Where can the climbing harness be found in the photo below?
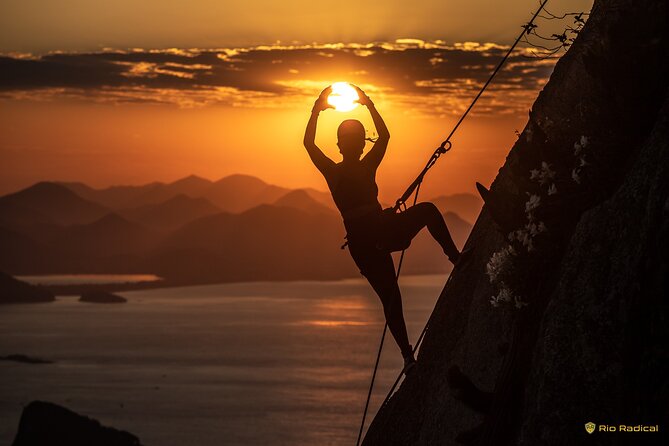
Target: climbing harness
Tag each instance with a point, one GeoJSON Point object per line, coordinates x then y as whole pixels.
{"type": "Point", "coordinates": [414, 188]}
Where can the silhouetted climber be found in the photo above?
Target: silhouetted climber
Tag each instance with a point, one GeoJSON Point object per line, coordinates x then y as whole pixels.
{"type": "Point", "coordinates": [373, 233]}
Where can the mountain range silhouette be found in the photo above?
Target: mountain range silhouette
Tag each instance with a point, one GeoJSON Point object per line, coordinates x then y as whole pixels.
{"type": "Point", "coordinates": [193, 230]}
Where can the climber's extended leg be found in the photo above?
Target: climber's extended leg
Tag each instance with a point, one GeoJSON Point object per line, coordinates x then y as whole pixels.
{"type": "Point", "coordinates": [379, 270]}
{"type": "Point", "coordinates": [385, 285]}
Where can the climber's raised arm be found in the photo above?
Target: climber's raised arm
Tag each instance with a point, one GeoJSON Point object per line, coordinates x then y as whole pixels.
{"type": "Point", "coordinates": [320, 160]}
{"type": "Point", "coordinates": [377, 152]}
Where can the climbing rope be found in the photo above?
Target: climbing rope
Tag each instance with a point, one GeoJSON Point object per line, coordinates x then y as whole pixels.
{"type": "Point", "coordinates": [414, 188]}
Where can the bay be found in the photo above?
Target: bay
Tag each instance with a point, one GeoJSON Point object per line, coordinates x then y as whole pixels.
{"type": "Point", "coordinates": [283, 363]}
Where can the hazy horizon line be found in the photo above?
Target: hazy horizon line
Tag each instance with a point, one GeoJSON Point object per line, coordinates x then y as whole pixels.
{"type": "Point", "coordinates": [6, 192]}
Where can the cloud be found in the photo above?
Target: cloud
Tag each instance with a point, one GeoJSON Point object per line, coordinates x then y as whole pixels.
{"type": "Point", "coordinates": [425, 76]}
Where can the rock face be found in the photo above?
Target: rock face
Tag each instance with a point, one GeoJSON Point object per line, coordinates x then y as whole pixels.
{"type": "Point", "coordinates": [591, 263]}
{"type": "Point", "coordinates": [47, 424]}
{"type": "Point", "coordinates": [102, 297]}
{"type": "Point", "coordinates": [13, 291]}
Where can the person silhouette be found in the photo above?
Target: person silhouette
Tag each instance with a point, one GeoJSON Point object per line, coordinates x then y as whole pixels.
{"type": "Point", "coordinates": [373, 233]}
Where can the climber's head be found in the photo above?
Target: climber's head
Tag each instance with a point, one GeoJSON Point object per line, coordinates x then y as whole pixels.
{"type": "Point", "coordinates": [351, 139]}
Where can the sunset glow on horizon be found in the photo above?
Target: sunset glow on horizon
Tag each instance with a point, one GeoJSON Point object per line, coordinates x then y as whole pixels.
{"type": "Point", "coordinates": [159, 113]}
{"type": "Point", "coordinates": [162, 115]}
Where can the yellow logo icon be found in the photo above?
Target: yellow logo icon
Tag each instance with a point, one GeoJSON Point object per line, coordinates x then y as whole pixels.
{"type": "Point", "coordinates": [590, 427]}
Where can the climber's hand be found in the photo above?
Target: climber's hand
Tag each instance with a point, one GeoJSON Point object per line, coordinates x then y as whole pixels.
{"type": "Point", "coordinates": [322, 101]}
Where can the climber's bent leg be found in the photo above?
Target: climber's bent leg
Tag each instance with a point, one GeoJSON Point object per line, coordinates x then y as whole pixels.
{"type": "Point", "coordinates": [416, 217]}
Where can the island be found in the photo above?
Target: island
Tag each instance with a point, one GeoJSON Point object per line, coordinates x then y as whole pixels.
{"type": "Point", "coordinates": [102, 297]}
{"type": "Point", "coordinates": [46, 423]}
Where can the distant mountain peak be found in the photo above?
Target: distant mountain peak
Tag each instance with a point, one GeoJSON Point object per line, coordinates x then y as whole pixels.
{"type": "Point", "coordinates": [241, 177]}
{"type": "Point", "coordinates": [73, 185]}
{"type": "Point", "coordinates": [55, 202]}
{"type": "Point", "coordinates": [301, 193]}
{"type": "Point", "coordinates": [43, 187]}
{"type": "Point", "coordinates": [465, 205]}
{"type": "Point", "coordinates": [49, 193]}
{"type": "Point", "coordinates": [191, 179]}
{"type": "Point", "coordinates": [301, 199]}
{"type": "Point", "coordinates": [110, 219]}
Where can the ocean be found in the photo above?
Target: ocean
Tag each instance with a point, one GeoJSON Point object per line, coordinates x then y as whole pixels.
{"type": "Point", "coordinates": [265, 363]}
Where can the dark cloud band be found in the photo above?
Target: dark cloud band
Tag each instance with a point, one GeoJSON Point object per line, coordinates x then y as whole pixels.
{"type": "Point", "coordinates": [406, 68]}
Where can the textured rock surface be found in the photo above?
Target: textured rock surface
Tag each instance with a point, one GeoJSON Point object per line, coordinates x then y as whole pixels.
{"type": "Point", "coordinates": [592, 343]}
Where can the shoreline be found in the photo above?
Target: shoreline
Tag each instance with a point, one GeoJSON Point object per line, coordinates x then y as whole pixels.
{"type": "Point", "coordinates": [78, 289]}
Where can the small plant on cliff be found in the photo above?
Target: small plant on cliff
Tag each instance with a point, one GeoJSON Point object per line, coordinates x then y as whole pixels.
{"type": "Point", "coordinates": [546, 47]}
{"type": "Point", "coordinates": [579, 154]}
{"type": "Point", "coordinates": [509, 269]}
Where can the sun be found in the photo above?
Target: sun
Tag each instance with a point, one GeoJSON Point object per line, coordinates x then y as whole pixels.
{"type": "Point", "coordinates": [343, 97]}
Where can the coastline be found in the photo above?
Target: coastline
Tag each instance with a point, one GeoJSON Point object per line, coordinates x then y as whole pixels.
{"type": "Point", "coordinates": [78, 289]}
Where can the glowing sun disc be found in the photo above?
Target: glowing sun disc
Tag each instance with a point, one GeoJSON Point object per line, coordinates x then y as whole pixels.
{"type": "Point", "coordinates": [343, 97]}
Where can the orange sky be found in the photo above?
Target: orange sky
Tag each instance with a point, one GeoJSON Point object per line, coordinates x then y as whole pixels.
{"type": "Point", "coordinates": [134, 144]}
{"type": "Point", "coordinates": [132, 116]}
{"type": "Point", "coordinates": [76, 25]}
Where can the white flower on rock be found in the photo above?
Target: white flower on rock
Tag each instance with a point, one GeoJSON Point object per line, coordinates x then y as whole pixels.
{"type": "Point", "coordinates": [580, 145]}
{"type": "Point", "coordinates": [499, 262]}
{"type": "Point", "coordinates": [503, 296]}
{"type": "Point", "coordinates": [543, 175]}
{"type": "Point", "coordinates": [536, 228]}
{"type": "Point", "coordinates": [518, 302]}
{"type": "Point", "coordinates": [532, 203]}
{"type": "Point", "coordinates": [575, 176]}
{"type": "Point", "coordinates": [526, 235]}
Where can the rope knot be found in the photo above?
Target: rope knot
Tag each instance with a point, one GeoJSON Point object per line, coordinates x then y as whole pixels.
{"type": "Point", "coordinates": [444, 147]}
